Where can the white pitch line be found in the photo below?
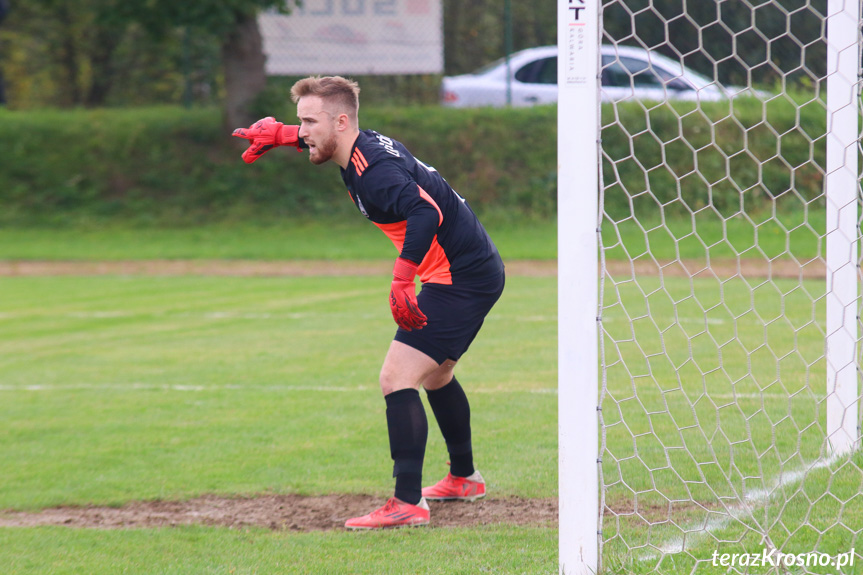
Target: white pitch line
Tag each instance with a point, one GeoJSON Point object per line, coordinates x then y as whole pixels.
{"type": "Point", "coordinates": [680, 320]}
{"type": "Point", "coordinates": [115, 314]}
{"type": "Point", "coordinates": [697, 531]}
{"type": "Point", "coordinates": [232, 387]}
{"type": "Point", "coordinates": [622, 393]}
{"type": "Point", "coordinates": [119, 314]}
{"type": "Point", "coordinates": [337, 389]}
{"type": "Point", "coordinates": [177, 387]}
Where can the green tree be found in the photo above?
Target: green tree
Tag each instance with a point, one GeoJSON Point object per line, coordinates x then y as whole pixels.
{"type": "Point", "coordinates": [61, 50]}
{"type": "Point", "coordinates": [233, 22]}
{"type": "Point", "coordinates": [79, 54]}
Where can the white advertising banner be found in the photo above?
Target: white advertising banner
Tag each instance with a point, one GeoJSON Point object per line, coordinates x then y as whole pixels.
{"type": "Point", "coordinates": [355, 37]}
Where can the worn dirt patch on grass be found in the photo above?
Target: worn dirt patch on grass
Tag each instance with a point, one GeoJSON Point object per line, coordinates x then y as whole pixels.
{"type": "Point", "coordinates": [281, 512]}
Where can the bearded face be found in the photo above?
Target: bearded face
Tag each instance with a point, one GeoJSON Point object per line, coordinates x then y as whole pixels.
{"type": "Point", "coordinates": [318, 128]}
{"type": "Point", "coordinates": [322, 151]}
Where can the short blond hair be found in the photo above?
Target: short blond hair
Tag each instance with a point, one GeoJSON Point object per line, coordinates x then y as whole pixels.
{"type": "Point", "coordinates": [340, 91]}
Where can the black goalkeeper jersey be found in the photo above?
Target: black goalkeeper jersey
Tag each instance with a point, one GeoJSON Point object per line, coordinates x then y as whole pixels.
{"type": "Point", "coordinates": [427, 221]}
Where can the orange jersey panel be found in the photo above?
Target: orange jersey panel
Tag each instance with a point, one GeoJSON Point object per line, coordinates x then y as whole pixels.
{"type": "Point", "coordinates": [435, 267]}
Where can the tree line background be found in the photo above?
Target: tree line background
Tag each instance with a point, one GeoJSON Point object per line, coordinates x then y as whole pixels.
{"type": "Point", "coordinates": [94, 53]}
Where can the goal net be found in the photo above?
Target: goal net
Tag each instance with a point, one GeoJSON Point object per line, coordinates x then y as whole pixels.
{"type": "Point", "coordinates": [729, 287]}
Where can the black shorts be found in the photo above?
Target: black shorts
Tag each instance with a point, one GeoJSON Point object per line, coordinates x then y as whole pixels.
{"type": "Point", "coordinates": [455, 314]}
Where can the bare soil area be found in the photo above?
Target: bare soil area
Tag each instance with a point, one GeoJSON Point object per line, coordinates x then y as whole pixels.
{"type": "Point", "coordinates": [280, 512]}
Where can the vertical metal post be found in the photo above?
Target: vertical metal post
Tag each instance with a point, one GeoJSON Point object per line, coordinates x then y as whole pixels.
{"type": "Point", "coordinates": [187, 68]}
{"type": "Point", "coordinates": [507, 47]}
{"type": "Point", "coordinates": [578, 206]}
{"type": "Point", "coordinates": [841, 185]}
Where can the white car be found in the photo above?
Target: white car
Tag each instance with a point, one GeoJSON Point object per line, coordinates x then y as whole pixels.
{"type": "Point", "coordinates": [627, 73]}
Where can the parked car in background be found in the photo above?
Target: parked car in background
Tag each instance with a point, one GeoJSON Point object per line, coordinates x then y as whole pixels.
{"type": "Point", "coordinates": [627, 73]}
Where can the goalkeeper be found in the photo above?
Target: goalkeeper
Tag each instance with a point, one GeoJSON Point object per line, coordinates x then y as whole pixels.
{"type": "Point", "coordinates": [438, 238]}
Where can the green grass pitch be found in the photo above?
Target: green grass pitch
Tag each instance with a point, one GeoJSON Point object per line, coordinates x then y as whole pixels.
{"type": "Point", "coordinates": [125, 388]}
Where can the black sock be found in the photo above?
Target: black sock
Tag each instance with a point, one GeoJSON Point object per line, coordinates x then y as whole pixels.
{"type": "Point", "coordinates": [408, 431]}
{"type": "Point", "coordinates": [452, 411]}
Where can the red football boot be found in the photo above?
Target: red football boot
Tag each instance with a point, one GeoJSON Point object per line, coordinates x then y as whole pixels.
{"type": "Point", "coordinates": [396, 513]}
{"type": "Point", "coordinates": [452, 488]}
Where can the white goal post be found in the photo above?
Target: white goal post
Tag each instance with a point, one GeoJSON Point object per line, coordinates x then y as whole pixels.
{"type": "Point", "coordinates": [709, 300]}
{"type": "Point", "coordinates": [841, 184]}
{"type": "Point", "coordinates": [578, 219]}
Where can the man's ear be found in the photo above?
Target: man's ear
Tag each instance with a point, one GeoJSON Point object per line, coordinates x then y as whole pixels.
{"type": "Point", "coordinates": [343, 122]}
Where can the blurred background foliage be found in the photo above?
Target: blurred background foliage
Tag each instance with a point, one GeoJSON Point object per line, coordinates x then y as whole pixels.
{"type": "Point", "coordinates": [116, 96]}
{"type": "Point", "coordinates": [95, 53]}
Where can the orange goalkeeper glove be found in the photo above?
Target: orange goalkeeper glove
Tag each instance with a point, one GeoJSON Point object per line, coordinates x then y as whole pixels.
{"type": "Point", "coordinates": [403, 296]}
{"type": "Point", "coordinates": [266, 134]}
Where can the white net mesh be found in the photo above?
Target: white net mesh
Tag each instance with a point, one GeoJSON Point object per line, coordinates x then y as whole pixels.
{"type": "Point", "coordinates": [715, 223]}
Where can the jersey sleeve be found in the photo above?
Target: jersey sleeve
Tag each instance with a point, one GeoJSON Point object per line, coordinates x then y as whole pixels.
{"type": "Point", "coordinates": [422, 226]}
{"type": "Point", "coordinates": [392, 189]}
